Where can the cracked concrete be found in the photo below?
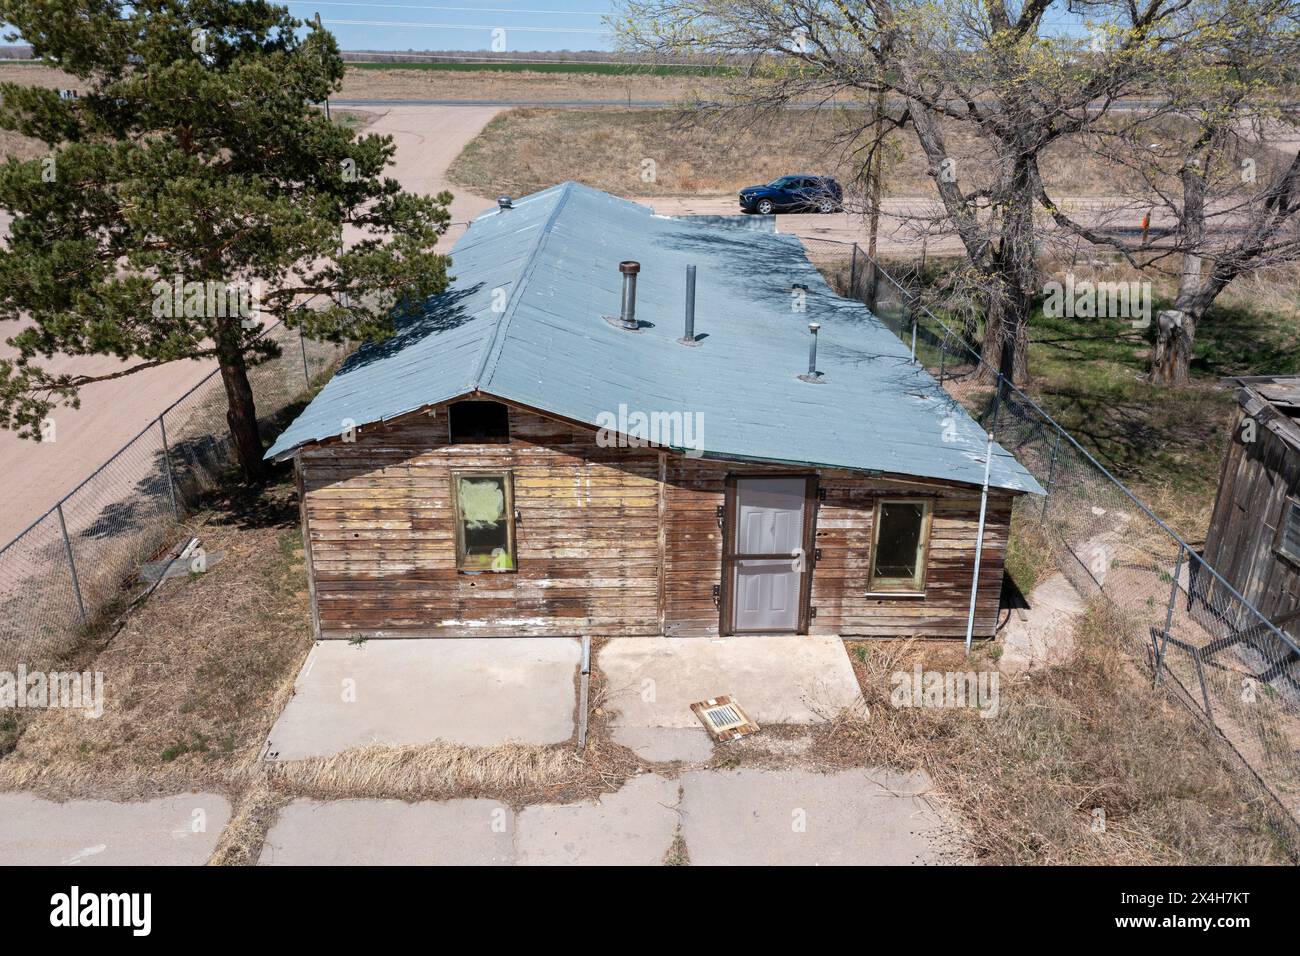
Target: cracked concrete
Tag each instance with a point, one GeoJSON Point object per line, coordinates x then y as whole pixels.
{"type": "Point", "coordinates": [791, 817]}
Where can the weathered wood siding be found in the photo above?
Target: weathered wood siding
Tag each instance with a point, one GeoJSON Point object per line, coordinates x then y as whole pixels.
{"type": "Point", "coordinates": [1242, 541]}
{"type": "Point", "coordinates": [844, 525]}
{"type": "Point", "coordinates": [382, 532]}
{"type": "Point", "coordinates": [609, 541]}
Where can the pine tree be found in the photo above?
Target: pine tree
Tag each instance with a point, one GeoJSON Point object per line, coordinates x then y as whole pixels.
{"type": "Point", "coordinates": [192, 192]}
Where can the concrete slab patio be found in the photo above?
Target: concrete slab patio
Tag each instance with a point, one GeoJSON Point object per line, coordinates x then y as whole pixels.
{"type": "Point", "coordinates": [391, 833]}
{"type": "Point", "coordinates": [801, 818]}
{"type": "Point", "coordinates": [632, 827]}
{"type": "Point", "coordinates": [170, 831]}
{"type": "Point", "coordinates": [855, 817]}
{"type": "Point", "coordinates": [471, 691]}
{"type": "Point", "coordinates": [780, 679]}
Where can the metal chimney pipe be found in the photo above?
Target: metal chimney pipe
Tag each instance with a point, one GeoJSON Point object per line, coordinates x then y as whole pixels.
{"type": "Point", "coordinates": [627, 317]}
{"type": "Point", "coordinates": [689, 337]}
{"type": "Point", "coordinates": [813, 327]}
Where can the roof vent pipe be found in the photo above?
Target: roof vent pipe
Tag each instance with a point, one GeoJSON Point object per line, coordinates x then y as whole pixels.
{"type": "Point", "coordinates": [627, 316]}
{"type": "Point", "coordinates": [504, 203]}
{"type": "Point", "coordinates": [813, 376]}
{"type": "Point", "coordinates": [689, 337]}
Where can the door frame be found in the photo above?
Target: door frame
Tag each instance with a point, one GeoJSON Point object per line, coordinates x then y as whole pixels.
{"type": "Point", "coordinates": [726, 593]}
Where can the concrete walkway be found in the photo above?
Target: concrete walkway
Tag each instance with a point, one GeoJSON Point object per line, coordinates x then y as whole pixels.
{"type": "Point", "coordinates": [171, 831]}
{"type": "Point", "coordinates": [471, 691]}
{"type": "Point", "coordinates": [783, 679]}
{"type": "Point", "coordinates": [746, 817]}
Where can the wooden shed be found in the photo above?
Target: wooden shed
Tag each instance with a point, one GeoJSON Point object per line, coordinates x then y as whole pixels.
{"type": "Point", "coordinates": [549, 448]}
{"type": "Point", "coordinates": [1254, 536]}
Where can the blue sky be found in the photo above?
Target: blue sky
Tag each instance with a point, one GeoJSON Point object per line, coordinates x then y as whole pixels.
{"type": "Point", "coordinates": [462, 24]}
{"type": "Point", "coordinates": [468, 25]}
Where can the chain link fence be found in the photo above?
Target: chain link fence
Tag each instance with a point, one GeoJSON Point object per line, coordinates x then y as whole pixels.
{"type": "Point", "coordinates": [69, 566]}
{"type": "Point", "coordinates": [1201, 640]}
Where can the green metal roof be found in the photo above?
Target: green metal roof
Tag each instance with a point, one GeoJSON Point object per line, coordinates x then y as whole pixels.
{"type": "Point", "coordinates": [523, 321]}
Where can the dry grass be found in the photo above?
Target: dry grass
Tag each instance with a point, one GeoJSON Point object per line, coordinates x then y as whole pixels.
{"type": "Point", "coordinates": [522, 87]}
{"type": "Point", "coordinates": [529, 149]}
{"type": "Point", "coordinates": [515, 773]}
{"type": "Point", "coordinates": [195, 677]}
{"type": "Point", "coordinates": [254, 813]}
{"type": "Point", "coordinates": [1065, 742]}
{"type": "Point", "coordinates": [20, 147]}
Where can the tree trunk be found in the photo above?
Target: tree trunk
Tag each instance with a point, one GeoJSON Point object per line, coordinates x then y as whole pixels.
{"type": "Point", "coordinates": [241, 410]}
{"type": "Point", "coordinates": [1012, 288]}
{"type": "Point", "coordinates": [1171, 359]}
{"type": "Point", "coordinates": [1006, 337]}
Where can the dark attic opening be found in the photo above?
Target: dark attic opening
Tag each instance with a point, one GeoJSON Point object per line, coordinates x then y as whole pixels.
{"type": "Point", "coordinates": [479, 423]}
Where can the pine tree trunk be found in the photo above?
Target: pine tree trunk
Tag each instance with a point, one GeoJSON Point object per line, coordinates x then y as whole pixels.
{"type": "Point", "coordinates": [241, 412]}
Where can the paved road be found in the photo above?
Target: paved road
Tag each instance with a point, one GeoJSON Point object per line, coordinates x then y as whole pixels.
{"type": "Point", "coordinates": [35, 476]}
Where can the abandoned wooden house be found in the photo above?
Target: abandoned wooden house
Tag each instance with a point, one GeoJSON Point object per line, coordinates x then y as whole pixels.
{"type": "Point", "coordinates": [586, 435]}
{"type": "Point", "coordinates": [1254, 536]}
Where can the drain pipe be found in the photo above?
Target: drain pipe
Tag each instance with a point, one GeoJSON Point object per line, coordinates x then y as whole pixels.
{"type": "Point", "coordinates": [582, 692]}
{"type": "Point", "coordinates": [979, 540]}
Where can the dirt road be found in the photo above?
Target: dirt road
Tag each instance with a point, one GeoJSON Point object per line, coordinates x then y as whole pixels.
{"type": "Point", "coordinates": [34, 476]}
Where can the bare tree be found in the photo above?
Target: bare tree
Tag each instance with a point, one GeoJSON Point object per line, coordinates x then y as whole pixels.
{"type": "Point", "coordinates": [995, 70]}
{"type": "Point", "coordinates": [1219, 157]}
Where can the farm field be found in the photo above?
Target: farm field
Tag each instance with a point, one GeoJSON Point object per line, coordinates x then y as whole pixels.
{"type": "Point", "coordinates": [407, 82]}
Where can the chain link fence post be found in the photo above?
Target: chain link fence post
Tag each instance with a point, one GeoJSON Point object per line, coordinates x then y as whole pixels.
{"type": "Point", "coordinates": [72, 562]}
{"type": "Point", "coordinates": [1159, 662]}
{"type": "Point", "coordinates": [302, 344]}
{"type": "Point", "coordinates": [167, 462]}
{"type": "Point", "coordinates": [1051, 477]}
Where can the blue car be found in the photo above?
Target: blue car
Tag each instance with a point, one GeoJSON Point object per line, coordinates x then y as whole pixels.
{"type": "Point", "coordinates": [801, 192]}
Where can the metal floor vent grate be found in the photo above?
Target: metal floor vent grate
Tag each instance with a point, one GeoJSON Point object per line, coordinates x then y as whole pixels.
{"type": "Point", "coordinates": [723, 718]}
